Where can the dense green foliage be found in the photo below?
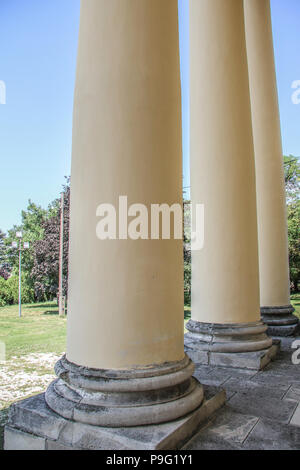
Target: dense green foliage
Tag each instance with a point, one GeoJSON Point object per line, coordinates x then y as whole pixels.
{"type": "Point", "coordinates": [9, 290]}
{"type": "Point", "coordinates": [187, 252]}
{"type": "Point", "coordinates": [292, 181]}
{"type": "Point", "coordinates": [41, 228]}
{"type": "Point", "coordinates": [46, 255]}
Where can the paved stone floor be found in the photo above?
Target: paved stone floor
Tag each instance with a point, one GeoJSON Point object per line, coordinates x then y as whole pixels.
{"type": "Point", "coordinates": [262, 409]}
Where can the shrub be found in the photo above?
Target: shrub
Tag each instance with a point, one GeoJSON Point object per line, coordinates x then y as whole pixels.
{"type": "Point", "coordinates": [187, 283]}
{"type": "Point", "coordinates": [9, 291]}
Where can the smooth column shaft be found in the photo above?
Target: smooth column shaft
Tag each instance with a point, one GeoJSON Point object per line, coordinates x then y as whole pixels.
{"type": "Point", "coordinates": [225, 286]}
{"type": "Point", "coordinates": [271, 203]}
{"type": "Point", "coordinates": [125, 296]}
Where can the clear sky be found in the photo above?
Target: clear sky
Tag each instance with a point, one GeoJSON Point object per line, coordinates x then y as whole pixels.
{"type": "Point", "coordinates": [37, 63]}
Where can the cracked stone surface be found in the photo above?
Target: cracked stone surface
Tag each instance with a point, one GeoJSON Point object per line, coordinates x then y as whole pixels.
{"type": "Point", "coordinates": [262, 410]}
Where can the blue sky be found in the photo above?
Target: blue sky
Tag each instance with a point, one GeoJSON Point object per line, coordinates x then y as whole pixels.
{"type": "Point", "coordinates": [37, 62]}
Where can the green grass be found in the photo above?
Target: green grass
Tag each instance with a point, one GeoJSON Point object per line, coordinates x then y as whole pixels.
{"type": "Point", "coordinates": [40, 329]}
{"type": "Point", "coordinates": [295, 300]}
{"type": "Point", "coordinates": [187, 316]}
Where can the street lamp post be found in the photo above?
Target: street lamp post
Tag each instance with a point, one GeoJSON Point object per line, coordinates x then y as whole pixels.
{"type": "Point", "coordinates": [19, 235]}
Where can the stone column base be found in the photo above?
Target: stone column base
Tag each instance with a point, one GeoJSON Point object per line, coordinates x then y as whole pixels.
{"type": "Point", "coordinates": [280, 320]}
{"type": "Point", "coordinates": [34, 426]}
{"type": "Point", "coordinates": [239, 345]}
{"type": "Point", "coordinates": [158, 407]}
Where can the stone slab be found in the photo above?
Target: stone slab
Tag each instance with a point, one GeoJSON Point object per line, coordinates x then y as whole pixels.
{"type": "Point", "coordinates": [286, 343]}
{"type": "Point", "coordinates": [15, 439]}
{"type": "Point", "coordinates": [293, 394]}
{"type": "Point", "coordinates": [274, 349]}
{"type": "Point", "coordinates": [251, 360]}
{"type": "Point", "coordinates": [239, 373]}
{"type": "Point", "coordinates": [209, 441]}
{"type": "Point", "coordinates": [231, 426]}
{"type": "Point", "coordinates": [261, 405]}
{"type": "Point", "coordinates": [269, 435]}
{"type": "Point", "coordinates": [295, 421]}
{"type": "Point", "coordinates": [199, 357]}
{"type": "Point", "coordinates": [283, 356]}
{"type": "Point", "coordinates": [227, 431]}
{"type": "Point", "coordinates": [54, 445]}
{"type": "Point", "coordinates": [256, 360]}
{"type": "Point", "coordinates": [211, 376]}
{"type": "Point", "coordinates": [286, 367]}
{"type": "Point", "coordinates": [267, 379]}
{"type": "Point", "coordinates": [251, 387]}
{"type": "Point", "coordinates": [33, 417]}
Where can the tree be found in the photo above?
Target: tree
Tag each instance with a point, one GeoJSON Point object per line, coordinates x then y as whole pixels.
{"type": "Point", "coordinates": [187, 251]}
{"type": "Point", "coordinates": [292, 182]}
{"type": "Point", "coordinates": [45, 268]}
{"type": "Point", "coordinates": [4, 273]}
{"type": "Point", "coordinates": [4, 266]}
{"type": "Point", "coordinates": [41, 228]}
{"type": "Point", "coordinates": [32, 230]}
{"type": "Point", "coordinates": [2, 248]}
{"type": "Point", "coordinates": [292, 177]}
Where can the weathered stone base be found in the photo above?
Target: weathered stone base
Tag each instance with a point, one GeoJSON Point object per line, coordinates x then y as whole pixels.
{"type": "Point", "coordinates": [34, 426]}
{"type": "Point", "coordinates": [251, 360]}
{"type": "Point", "coordinates": [280, 320]}
{"type": "Point", "coordinates": [124, 398]}
{"type": "Point", "coordinates": [230, 345]}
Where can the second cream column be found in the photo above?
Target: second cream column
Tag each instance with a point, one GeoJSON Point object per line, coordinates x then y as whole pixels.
{"type": "Point", "coordinates": [225, 276]}
{"type": "Point", "coordinates": [275, 303]}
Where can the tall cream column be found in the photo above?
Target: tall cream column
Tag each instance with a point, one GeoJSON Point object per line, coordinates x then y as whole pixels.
{"type": "Point", "coordinates": [126, 296]}
{"type": "Point", "coordinates": [225, 279]}
{"type": "Point", "coordinates": [125, 309]}
{"type": "Point", "coordinates": [125, 364]}
{"type": "Point", "coordinates": [271, 204]}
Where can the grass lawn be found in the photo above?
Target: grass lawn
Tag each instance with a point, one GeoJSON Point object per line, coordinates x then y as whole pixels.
{"type": "Point", "coordinates": [40, 329]}
{"type": "Point", "coordinates": [295, 300]}
{"type": "Point", "coordinates": [32, 345]}
{"type": "Point", "coordinates": [187, 316]}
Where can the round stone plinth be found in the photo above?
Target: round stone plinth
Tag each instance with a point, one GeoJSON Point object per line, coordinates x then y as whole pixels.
{"type": "Point", "coordinates": [228, 338]}
{"type": "Point", "coordinates": [124, 398]}
{"type": "Point", "coordinates": [280, 320]}
{"type": "Point", "coordinates": [240, 345]}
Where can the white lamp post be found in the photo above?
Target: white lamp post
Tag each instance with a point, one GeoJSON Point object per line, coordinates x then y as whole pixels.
{"type": "Point", "coordinates": [25, 246]}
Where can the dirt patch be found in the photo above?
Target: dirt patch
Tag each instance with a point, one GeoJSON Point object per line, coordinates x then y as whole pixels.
{"type": "Point", "coordinates": [22, 377]}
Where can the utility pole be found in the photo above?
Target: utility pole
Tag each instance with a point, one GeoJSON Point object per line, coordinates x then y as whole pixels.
{"type": "Point", "coordinates": [61, 306]}
{"type": "Point", "coordinates": [20, 279]}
